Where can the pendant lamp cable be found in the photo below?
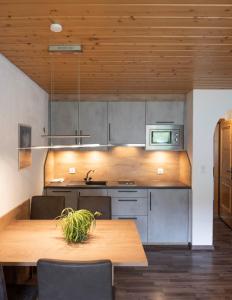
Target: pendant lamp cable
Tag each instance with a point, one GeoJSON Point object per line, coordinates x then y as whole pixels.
{"type": "Point", "coordinates": [51, 97]}
{"type": "Point", "coordinates": [78, 98]}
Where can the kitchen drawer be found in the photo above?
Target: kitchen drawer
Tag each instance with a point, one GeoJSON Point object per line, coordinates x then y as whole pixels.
{"type": "Point", "coordinates": [141, 222]}
{"type": "Point", "coordinates": [70, 196]}
{"type": "Point", "coordinates": [125, 192]}
{"type": "Point", "coordinates": [93, 192]}
{"type": "Point", "coordinates": [129, 206]}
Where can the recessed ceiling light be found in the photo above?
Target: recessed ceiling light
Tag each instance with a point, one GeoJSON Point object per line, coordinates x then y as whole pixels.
{"type": "Point", "coordinates": [56, 27]}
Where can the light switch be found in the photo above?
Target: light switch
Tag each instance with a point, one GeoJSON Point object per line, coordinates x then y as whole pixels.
{"type": "Point", "coordinates": [160, 171]}
{"type": "Point", "coordinates": [72, 170]}
{"type": "Point", "coordinates": [203, 169]}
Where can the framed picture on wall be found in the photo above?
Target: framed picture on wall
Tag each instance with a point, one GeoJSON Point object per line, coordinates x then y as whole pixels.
{"type": "Point", "coordinates": [25, 157]}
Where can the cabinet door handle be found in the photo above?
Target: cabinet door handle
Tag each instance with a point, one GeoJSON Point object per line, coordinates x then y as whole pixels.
{"type": "Point", "coordinates": [127, 200]}
{"type": "Point", "coordinates": [109, 132]}
{"type": "Point", "coordinates": [165, 122]}
{"type": "Point", "coordinates": [150, 200]}
{"type": "Point", "coordinates": [80, 138]}
{"type": "Point", "coordinates": [76, 139]}
{"type": "Point", "coordinates": [127, 191]}
{"type": "Point", "coordinates": [61, 191]}
{"type": "Point", "coordinates": [124, 218]}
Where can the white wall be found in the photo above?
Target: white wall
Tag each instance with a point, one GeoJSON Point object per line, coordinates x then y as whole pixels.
{"type": "Point", "coordinates": [228, 114]}
{"type": "Point", "coordinates": [21, 101]}
{"type": "Point", "coordinates": [208, 107]}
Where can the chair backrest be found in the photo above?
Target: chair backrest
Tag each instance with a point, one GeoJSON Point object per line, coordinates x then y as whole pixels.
{"type": "Point", "coordinates": [3, 294]}
{"type": "Point", "coordinates": [65, 280]}
{"type": "Point", "coordinates": [46, 207]}
{"type": "Point", "coordinates": [96, 203]}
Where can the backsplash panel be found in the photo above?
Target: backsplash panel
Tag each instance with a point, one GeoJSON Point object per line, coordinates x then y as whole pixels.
{"type": "Point", "coordinates": [119, 163]}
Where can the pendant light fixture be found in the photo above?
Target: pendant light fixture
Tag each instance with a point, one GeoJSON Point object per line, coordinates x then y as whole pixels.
{"type": "Point", "coordinates": [55, 136]}
{"type": "Point", "coordinates": [64, 48]}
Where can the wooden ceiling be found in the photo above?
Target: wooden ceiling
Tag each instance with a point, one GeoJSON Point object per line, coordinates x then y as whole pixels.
{"type": "Point", "coordinates": [129, 46]}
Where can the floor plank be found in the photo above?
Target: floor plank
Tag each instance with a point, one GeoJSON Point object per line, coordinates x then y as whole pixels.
{"type": "Point", "coordinates": [182, 274]}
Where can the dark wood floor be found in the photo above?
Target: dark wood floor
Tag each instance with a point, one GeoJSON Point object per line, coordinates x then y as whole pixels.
{"type": "Point", "coordinates": [182, 274]}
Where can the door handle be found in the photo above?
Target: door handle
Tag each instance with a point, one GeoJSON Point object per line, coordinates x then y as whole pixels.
{"type": "Point", "coordinates": [150, 201]}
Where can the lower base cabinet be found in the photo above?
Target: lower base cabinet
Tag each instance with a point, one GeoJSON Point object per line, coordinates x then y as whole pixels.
{"type": "Point", "coordinates": [161, 215]}
{"type": "Point", "coordinates": [168, 216]}
{"type": "Point", "coordinates": [141, 222]}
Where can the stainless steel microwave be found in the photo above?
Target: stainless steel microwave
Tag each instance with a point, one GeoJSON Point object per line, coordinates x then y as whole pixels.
{"type": "Point", "coordinates": [164, 137]}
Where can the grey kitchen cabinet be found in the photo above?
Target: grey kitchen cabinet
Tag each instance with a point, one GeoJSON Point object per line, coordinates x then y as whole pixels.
{"type": "Point", "coordinates": [128, 193]}
{"type": "Point", "coordinates": [168, 216]}
{"type": "Point", "coordinates": [129, 206]}
{"type": "Point", "coordinates": [165, 112]}
{"type": "Point", "coordinates": [141, 222]}
{"type": "Point", "coordinates": [64, 121]}
{"type": "Point", "coordinates": [93, 121]}
{"type": "Point", "coordinates": [92, 192]}
{"type": "Point", "coordinates": [126, 122]}
{"type": "Point", "coordinates": [71, 195]}
{"type": "Point", "coordinates": [161, 215]}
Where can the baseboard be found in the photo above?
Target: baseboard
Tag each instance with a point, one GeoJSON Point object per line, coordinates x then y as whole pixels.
{"type": "Point", "coordinates": [178, 247]}
{"type": "Point", "coordinates": [165, 247]}
{"type": "Point", "coordinates": [202, 248]}
{"type": "Point", "coordinates": [20, 212]}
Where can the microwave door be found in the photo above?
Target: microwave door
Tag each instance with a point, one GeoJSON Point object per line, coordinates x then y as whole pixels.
{"type": "Point", "coordinates": [161, 137]}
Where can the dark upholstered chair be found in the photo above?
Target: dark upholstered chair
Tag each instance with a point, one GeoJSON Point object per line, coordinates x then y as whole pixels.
{"type": "Point", "coordinates": [64, 280]}
{"type": "Point", "coordinates": [16, 292]}
{"type": "Point", "coordinates": [96, 203]}
{"type": "Point", "coordinates": [46, 207]}
{"type": "Point", "coordinates": [3, 294]}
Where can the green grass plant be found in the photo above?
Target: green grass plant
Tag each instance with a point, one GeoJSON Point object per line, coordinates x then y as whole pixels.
{"type": "Point", "coordinates": [76, 224]}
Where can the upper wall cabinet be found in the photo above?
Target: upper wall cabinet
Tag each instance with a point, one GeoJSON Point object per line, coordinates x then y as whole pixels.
{"type": "Point", "coordinates": [165, 112]}
{"type": "Point", "coordinates": [126, 122]}
{"type": "Point", "coordinates": [64, 120]}
{"type": "Point", "coordinates": [93, 121]}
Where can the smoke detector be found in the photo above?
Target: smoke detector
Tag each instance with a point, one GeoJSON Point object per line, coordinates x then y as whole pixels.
{"type": "Point", "coordinates": [56, 27]}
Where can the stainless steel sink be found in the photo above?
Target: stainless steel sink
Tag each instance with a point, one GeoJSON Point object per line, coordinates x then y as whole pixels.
{"type": "Point", "coordinates": [96, 182]}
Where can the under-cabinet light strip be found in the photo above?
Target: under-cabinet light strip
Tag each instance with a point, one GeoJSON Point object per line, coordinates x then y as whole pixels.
{"type": "Point", "coordinates": [62, 147]}
{"type": "Point", "coordinates": [80, 146]}
{"type": "Point", "coordinates": [65, 136]}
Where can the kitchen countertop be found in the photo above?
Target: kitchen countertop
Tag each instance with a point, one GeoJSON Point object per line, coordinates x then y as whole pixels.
{"type": "Point", "coordinates": [156, 184]}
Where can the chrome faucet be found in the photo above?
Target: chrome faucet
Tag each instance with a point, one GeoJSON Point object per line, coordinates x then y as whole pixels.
{"type": "Point", "coordinates": [87, 176]}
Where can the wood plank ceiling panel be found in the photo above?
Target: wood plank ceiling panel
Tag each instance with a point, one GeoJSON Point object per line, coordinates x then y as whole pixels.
{"type": "Point", "coordinates": [129, 46]}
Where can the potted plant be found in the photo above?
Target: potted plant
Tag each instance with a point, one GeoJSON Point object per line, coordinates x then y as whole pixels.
{"type": "Point", "coordinates": [76, 224]}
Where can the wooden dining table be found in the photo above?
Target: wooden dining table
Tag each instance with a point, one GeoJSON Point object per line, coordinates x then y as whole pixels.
{"type": "Point", "coordinates": [24, 242]}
